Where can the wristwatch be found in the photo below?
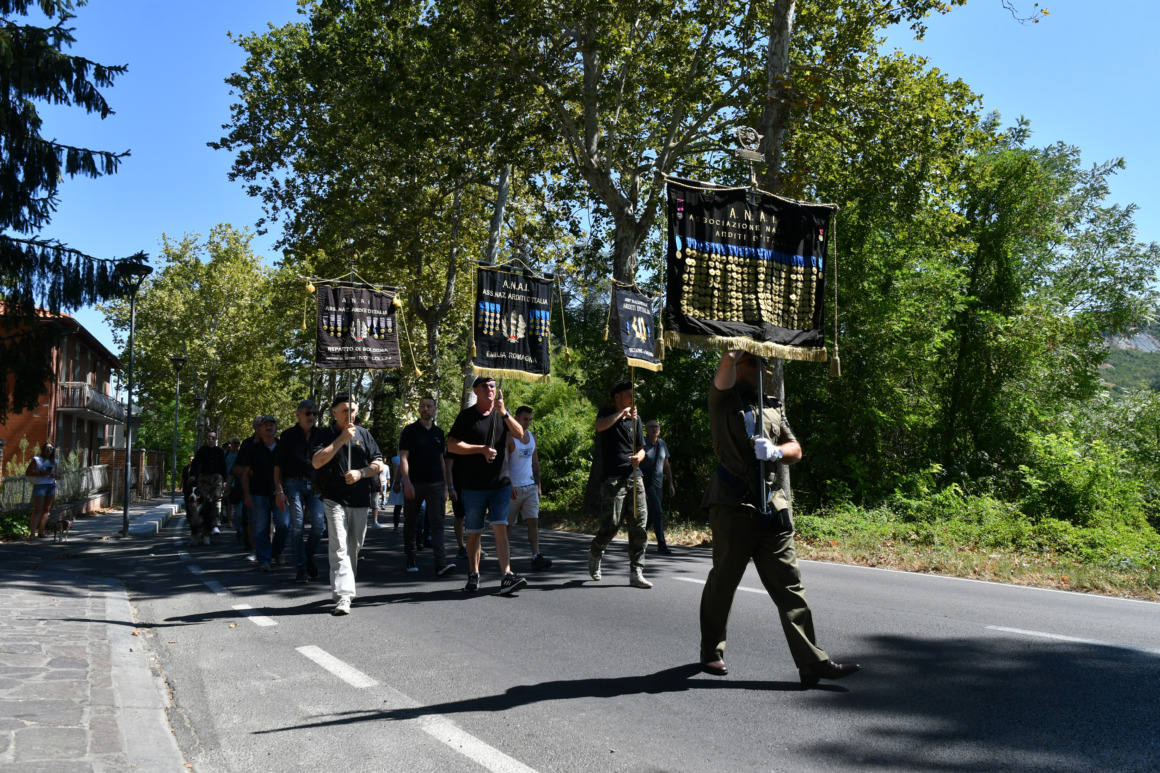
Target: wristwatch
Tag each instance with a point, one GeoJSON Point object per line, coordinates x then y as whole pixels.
{"type": "Point", "coordinates": [507, 415]}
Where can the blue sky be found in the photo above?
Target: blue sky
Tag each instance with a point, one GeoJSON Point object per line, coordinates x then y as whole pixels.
{"type": "Point", "coordinates": [1086, 75]}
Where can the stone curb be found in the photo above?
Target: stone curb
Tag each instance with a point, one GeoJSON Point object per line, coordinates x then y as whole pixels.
{"type": "Point", "coordinates": [151, 522]}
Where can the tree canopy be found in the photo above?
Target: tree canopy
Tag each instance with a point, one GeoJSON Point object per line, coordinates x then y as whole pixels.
{"type": "Point", "coordinates": [35, 269]}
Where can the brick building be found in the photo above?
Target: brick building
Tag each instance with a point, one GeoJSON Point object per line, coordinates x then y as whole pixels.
{"type": "Point", "coordinates": [76, 412]}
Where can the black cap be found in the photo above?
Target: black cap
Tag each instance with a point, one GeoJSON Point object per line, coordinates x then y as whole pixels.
{"type": "Point", "coordinates": [341, 397]}
{"type": "Point", "coordinates": [481, 380]}
{"type": "Point", "coordinates": [307, 404]}
{"type": "Point", "coordinates": [623, 386]}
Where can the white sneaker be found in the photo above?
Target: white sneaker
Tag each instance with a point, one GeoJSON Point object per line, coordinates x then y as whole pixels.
{"type": "Point", "coordinates": [342, 607]}
{"type": "Point", "coordinates": [252, 557]}
{"type": "Point", "coordinates": [216, 530]}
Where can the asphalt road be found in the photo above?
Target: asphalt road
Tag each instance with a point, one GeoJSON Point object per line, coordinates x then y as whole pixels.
{"type": "Point", "coordinates": [572, 675]}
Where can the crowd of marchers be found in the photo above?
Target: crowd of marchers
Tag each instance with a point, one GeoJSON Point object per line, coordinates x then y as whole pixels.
{"type": "Point", "coordinates": [284, 492]}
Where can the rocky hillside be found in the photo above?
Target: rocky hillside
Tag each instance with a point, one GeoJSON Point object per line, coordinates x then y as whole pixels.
{"type": "Point", "coordinates": [1134, 361]}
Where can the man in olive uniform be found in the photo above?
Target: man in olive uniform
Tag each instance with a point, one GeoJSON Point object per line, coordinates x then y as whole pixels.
{"type": "Point", "coordinates": [742, 531]}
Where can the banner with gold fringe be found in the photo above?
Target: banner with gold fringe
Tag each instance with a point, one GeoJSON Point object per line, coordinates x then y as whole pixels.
{"type": "Point", "coordinates": [356, 328]}
{"type": "Point", "coordinates": [745, 270]}
{"type": "Point", "coordinates": [513, 312]}
{"type": "Point", "coordinates": [634, 313]}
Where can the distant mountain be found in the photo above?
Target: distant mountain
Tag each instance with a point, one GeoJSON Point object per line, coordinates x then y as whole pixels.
{"type": "Point", "coordinates": [1144, 341]}
{"type": "Point", "coordinates": [1133, 362]}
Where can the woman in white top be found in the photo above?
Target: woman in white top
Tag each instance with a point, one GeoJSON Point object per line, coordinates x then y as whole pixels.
{"type": "Point", "coordinates": [42, 470]}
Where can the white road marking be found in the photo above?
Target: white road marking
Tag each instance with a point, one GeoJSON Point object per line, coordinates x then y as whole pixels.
{"type": "Point", "coordinates": [196, 569]}
{"type": "Point", "coordinates": [739, 587]}
{"type": "Point", "coordinates": [471, 747]}
{"type": "Point", "coordinates": [253, 616]}
{"type": "Point", "coordinates": [1070, 639]}
{"type": "Point", "coordinates": [217, 587]}
{"type": "Point", "coordinates": [439, 728]}
{"type": "Point", "coordinates": [183, 555]}
{"type": "Point", "coordinates": [346, 673]}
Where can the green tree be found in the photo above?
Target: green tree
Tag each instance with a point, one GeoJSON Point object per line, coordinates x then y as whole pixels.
{"type": "Point", "coordinates": [216, 304]}
{"type": "Point", "coordinates": [35, 269]}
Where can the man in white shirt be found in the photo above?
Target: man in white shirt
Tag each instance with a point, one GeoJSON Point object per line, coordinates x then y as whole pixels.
{"type": "Point", "coordinates": [524, 469]}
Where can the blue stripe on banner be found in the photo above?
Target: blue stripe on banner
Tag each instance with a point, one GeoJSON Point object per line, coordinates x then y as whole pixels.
{"type": "Point", "coordinates": [713, 248]}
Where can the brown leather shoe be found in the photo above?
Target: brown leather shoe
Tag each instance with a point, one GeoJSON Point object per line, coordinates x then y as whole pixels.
{"type": "Point", "coordinates": [826, 669]}
{"type": "Point", "coordinates": [715, 667]}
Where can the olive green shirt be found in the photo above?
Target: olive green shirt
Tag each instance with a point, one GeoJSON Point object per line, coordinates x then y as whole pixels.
{"type": "Point", "coordinates": [732, 421]}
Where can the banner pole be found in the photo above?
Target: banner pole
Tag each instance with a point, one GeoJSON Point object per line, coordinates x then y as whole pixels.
{"type": "Point", "coordinates": [761, 428]}
{"type": "Point", "coordinates": [636, 421]}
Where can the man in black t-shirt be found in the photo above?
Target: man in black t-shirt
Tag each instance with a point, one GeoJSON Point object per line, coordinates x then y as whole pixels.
{"type": "Point", "coordinates": [425, 473]}
{"type": "Point", "coordinates": [347, 458]}
{"type": "Point", "coordinates": [209, 470]}
{"type": "Point", "coordinates": [294, 490]}
{"type": "Point", "coordinates": [257, 468]}
{"type": "Point", "coordinates": [479, 439]}
{"type": "Point", "coordinates": [622, 448]}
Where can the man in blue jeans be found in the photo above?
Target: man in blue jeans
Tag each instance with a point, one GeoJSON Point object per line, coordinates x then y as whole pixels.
{"type": "Point", "coordinates": [479, 439]}
{"type": "Point", "coordinates": [293, 490]}
{"type": "Point", "coordinates": [257, 468]}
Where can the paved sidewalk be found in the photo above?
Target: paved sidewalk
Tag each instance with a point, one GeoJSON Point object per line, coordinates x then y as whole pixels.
{"type": "Point", "coordinates": [78, 690]}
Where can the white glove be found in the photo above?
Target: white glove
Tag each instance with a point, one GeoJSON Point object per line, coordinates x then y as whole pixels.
{"type": "Point", "coordinates": [766, 449]}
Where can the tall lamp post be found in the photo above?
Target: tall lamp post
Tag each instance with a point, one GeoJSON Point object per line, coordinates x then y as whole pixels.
{"type": "Point", "coordinates": [131, 273]}
{"type": "Point", "coordinates": [178, 362]}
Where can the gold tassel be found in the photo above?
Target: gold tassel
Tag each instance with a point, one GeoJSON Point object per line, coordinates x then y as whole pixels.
{"type": "Point", "coordinates": [605, 331]}
{"type": "Point", "coordinates": [660, 347]}
{"type": "Point", "coordinates": [835, 366]}
{"type": "Point", "coordinates": [418, 373]}
{"type": "Point", "coordinates": [396, 302]}
{"type": "Point", "coordinates": [309, 286]}
{"type": "Point", "coordinates": [567, 355]}
{"type": "Point", "coordinates": [473, 351]}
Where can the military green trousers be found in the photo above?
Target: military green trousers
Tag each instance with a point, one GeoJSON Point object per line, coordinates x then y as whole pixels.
{"type": "Point", "coordinates": [736, 539]}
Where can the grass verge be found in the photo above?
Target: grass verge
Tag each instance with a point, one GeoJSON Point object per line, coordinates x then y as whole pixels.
{"type": "Point", "coordinates": [870, 539]}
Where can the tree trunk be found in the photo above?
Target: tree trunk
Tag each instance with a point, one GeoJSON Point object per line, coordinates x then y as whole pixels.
{"type": "Point", "coordinates": [774, 128]}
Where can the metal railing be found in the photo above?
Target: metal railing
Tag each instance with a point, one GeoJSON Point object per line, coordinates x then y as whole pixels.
{"type": "Point", "coordinates": [77, 395]}
{"type": "Point", "coordinates": [72, 486]}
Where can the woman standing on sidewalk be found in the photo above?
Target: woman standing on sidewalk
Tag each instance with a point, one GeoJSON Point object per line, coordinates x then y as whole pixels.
{"type": "Point", "coordinates": [42, 469]}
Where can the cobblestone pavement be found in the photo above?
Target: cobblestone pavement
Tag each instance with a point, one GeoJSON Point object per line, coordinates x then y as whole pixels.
{"type": "Point", "coordinates": [77, 689]}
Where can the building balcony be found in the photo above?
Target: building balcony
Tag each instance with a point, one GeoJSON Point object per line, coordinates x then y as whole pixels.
{"type": "Point", "coordinates": [77, 398]}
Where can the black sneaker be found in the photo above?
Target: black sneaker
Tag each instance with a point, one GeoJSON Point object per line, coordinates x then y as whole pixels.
{"type": "Point", "coordinates": [411, 565]}
{"type": "Point", "coordinates": [511, 583]}
{"type": "Point", "coordinates": [462, 553]}
{"type": "Point", "coordinates": [472, 582]}
{"type": "Point", "coordinates": [482, 554]}
{"type": "Point", "coordinates": [539, 562]}
{"type": "Point", "coordinates": [311, 569]}
{"type": "Point", "coordinates": [301, 576]}
{"type": "Point", "coordinates": [445, 570]}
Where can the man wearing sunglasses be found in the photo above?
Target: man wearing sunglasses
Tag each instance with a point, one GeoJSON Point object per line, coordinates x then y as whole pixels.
{"type": "Point", "coordinates": [293, 490]}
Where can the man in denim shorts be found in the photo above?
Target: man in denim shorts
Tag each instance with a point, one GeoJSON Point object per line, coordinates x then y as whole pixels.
{"type": "Point", "coordinates": [479, 439]}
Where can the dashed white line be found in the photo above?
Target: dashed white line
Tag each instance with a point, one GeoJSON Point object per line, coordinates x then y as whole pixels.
{"type": "Point", "coordinates": [343, 671]}
{"type": "Point", "coordinates": [739, 587]}
{"type": "Point", "coordinates": [443, 730]}
{"type": "Point", "coordinates": [253, 616]}
{"type": "Point", "coordinates": [471, 747]}
{"type": "Point", "coordinates": [196, 569]}
{"type": "Point", "coordinates": [183, 555]}
{"type": "Point", "coordinates": [217, 587]}
{"type": "Point", "coordinates": [1070, 639]}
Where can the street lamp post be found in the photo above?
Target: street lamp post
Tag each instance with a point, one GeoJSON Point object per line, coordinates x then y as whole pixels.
{"type": "Point", "coordinates": [178, 362]}
{"type": "Point", "coordinates": [132, 273]}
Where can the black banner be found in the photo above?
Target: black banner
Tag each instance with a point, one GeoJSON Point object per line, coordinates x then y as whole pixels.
{"type": "Point", "coordinates": [634, 313]}
{"type": "Point", "coordinates": [746, 270]}
{"type": "Point", "coordinates": [357, 329]}
{"type": "Point", "coordinates": [513, 311]}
